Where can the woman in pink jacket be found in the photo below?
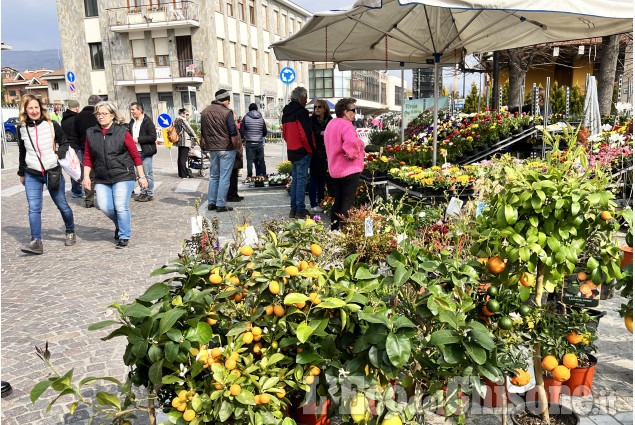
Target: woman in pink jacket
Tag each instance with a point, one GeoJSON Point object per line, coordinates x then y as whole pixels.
{"type": "Point", "coordinates": [345, 153]}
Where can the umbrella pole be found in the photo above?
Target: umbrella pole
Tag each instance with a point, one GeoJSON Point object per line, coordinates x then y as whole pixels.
{"type": "Point", "coordinates": [437, 58]}
{"type": "Point", "coordinates": [403, 97]}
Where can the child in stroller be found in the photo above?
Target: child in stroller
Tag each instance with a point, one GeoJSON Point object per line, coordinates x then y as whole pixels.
{"type": "Point", "coordinates": [196, 161]}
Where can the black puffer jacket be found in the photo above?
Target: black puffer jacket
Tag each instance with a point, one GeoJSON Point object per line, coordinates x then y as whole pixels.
{"type": "Point", "coordinates": [111, 160]}
{"type": "Point", "coordinates": [318, 160]}
{"type": "Point", "coordinates": [68, 125]}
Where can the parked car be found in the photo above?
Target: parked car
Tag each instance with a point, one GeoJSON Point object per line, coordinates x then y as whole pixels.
{"type": "Point", "coordinates": [11, 127]}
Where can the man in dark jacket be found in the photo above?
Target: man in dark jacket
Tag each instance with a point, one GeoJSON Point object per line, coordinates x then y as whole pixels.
{"type": "Point", "coordinates": [84, 120]}
{"type": "Point", "coordinates": [252, 131]}
{"type": "Point", "coordinates": [296, 130]}
{"type": "Point", "coordinates": [68, 125]}
{"type": "Point", "coordinates": [144, 134]}
{"type": "Point", "coordinates": [219, 136]}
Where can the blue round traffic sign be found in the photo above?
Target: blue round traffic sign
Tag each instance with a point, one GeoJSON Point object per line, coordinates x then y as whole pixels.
{"type": "Point", "coordinates": [287, 75]}
{"type": "Point", "coordinates": [165, 120]}
{"type": "Point", "coordinates": [70, 77]}
{"type": "Point", "coordinates": [72, 88]}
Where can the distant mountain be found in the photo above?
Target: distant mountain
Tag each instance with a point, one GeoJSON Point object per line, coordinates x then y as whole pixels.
{"type": "Point", "coordinates": [32, 59]}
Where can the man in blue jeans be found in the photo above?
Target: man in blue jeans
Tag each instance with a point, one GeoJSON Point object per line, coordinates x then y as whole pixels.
{"type": "Point", "coordinates": [219, 136]}
{"type": "Point", "coordinates": [296, 130]}
{"type": "Point", "coordinates": [253, 130]}
{"type": "Point", "coordinates": [144, 134]}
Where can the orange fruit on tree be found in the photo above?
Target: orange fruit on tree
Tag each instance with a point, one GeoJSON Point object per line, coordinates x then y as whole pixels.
{"type": "Point", "coordinates": [486, 311]}
{"type": "Point", "coordinates": [292, 270]}
{"type": "Point", "coordinates": [269, 310]}
{"type": "Point", "coordinates": [215, 279]}
{"type": "Point", "coordinates": [549, 363]}
{"type": "Point", "coordinates": [300, 305]}
{"type": "Point", "coordinates": [176, 402]}
{"type": "Point", "coordinates": [248, 338]}
{"type": "Point", "coordinates": [496, 265]}
{"type": "Point", "coordinates": [274, 287]}
{"type": "Point", "coordinates": [235, 371]}
{"type": "Point", "coordinates": [246, 250]}
{"type": "Point", "coordinates": [281, 393]}
{"type": "Point", "coordinates": [265, 398]}
{"type": "Point", "coordinates": [561, 373]}
{"type": "Point", "coordinates": [278, 310]}
{"type": "Point", "coordinates": [182, 406]}
{"type": "Point", "coordinates": [315, 371]}
{"type": "Point", "coordinates": [257, 338]}
{"type": "Point", "coordinates": [309, 379]}
{"type": "Point", "coordinates": [570, 360]}
{"type": "Point", "coordinates": [256, 331]}
{"type": "Point", "coordinates": [189, 415]}
{"type": "Point", "coordinates": [257, 398]}
{"type": "Point", "coordinates": [218, 386]}
{"type": "Point", "coordinates": [304, 265]}
{"type": "Point", "coordinates": [628, 322]}
{"type": "Point", "coordinates": [606, 216]}
{"type": "Point", "coordinates": [484, 261]}
{"type": "Point", "coordinates": [230, 364]}
{"type": "Point", "coordinates": [574, 338]}
{"type": "Point", "coordinates": [521, 379]}
{"type": "Point", "coordinates": [211, 321]}
{"type": "Point", "coordinates": [250, 264]}
{"type": "Point", "coordinates": [183, 394]}
{"type": "Point", "coordinates": [235, 389]}
{"type": "Point", "coordinates": [527, 279]}
{"type": "Point", "coordinates": [216, 352]}
{"type": "Point", "coordinates": [316, 250]}
{"type": "Point", "coordinates": [234, 280]}
{"type": "Point", "coordinates": [582, 276]}
{"type": "Point", "coordinates": [234, 356]}
{"type": "Point", "coordinates": [257, 347]}
{"type": "Point", "coordinates": [238, 297]}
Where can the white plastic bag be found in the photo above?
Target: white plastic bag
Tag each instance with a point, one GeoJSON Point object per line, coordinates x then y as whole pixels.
{"type": "Point", "coordinates": [71, 164]}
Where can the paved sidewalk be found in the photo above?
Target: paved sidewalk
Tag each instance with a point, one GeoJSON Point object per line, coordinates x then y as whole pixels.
{"type": "Point", "coordinates": [56, 296]}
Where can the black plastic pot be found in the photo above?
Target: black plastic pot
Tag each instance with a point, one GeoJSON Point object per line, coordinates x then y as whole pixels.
{"type": "Point", "coordinates": [596, 314]}
{"type": "Point", "coordinates": [535, 409]}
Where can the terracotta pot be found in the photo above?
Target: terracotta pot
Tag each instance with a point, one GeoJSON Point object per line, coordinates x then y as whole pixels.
{"type": "Point", "coordinates": [310, 415]}
{"type": "Point", "coordinates": [552, 387]}
{"type": "Point", "coordinates": [627, 257]}
{"type": "Point", "coordinates": [534, 408]}
{"type": "Point", "coordinates": [493, 398]}
{"type": "Point", "coordinates": [581, 380]}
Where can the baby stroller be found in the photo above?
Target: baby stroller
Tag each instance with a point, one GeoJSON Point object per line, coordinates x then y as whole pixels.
{"type": "Point", "coordinates": [196, 161]}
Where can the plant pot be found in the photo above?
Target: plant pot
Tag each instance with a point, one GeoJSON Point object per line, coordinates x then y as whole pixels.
{"type": "Point", "coordinates": [494, 396]}
{"type": "Point", "coordinates": [596, 314]}
{"type": "Point", "coordinates": [627, 256]}
{"type": "Point", "coordinates": [581, 380]}
{"type": "Point", "coordinates": [552, 387]}
{"type": "Point", "coordinates": [309, 414]}
{"type": "Point", "coordinates": [517, 130]}
{"type": "Point", "coordinates": [554, 409]}
{"type": "Point", "coordinates": [259, 184]}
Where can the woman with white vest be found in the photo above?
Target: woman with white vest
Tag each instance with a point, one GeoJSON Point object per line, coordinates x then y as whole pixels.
{"type": "Point", "coordinates": [42, 142]}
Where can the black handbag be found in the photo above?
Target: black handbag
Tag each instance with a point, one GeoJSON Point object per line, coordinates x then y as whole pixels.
{"type": "Point", "coordinates": [54, 175]}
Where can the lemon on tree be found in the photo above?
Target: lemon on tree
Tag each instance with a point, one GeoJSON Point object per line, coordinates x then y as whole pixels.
{"type": "Point", "coordinates": [393, 420]}
{"type": "Point", "coordinates": [359, 408]}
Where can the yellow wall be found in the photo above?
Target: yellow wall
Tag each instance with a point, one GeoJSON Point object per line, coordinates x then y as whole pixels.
{"type": "Point", "coordinates": [581, 67]}
{"type": "Point", "coordinates": [539, 75]}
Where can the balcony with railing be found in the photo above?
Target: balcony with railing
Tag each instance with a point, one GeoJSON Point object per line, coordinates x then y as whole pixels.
{"type": "Point", "coordinates": [181, 13]}
{"type": "Point", "coordinates": [179, 71]}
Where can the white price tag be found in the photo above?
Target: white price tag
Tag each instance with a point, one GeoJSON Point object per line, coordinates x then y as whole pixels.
{"type": "Point", "coordinates": [368, 227]}
{"type": "Point", "coordinates": [401, 238]}
{"type": "Point", "coordinates": [197, 225]}
{"type": "Point", "coordinates": [250, 237]}
{"type": "Point", "coordinates": [454, 207]}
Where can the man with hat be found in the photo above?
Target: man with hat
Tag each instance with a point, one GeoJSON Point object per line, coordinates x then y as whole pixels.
{"type": "Point", "coordinates": [219, 136]}
{"type": "Point", "coordinates": [68, 125]}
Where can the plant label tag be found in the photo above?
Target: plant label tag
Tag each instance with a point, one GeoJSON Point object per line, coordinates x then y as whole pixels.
{"type": "Point", "coordinates": [454, 207]}
{"type": "Point", "coordinates": [401, 238]}
{"type": "Point", "coordinates": [250, 237]}
{"type": "Point", "coordinates": [197, 225]}
{"type": "Point", "coordinates": [368, 227]}
{"type": "Point", "coordinates": [480, 207]}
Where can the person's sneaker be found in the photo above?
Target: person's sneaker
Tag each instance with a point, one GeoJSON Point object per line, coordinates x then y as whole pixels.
{"type": "Point", "coordinates": [35, 247]}
{"type": "Point", "coordinates": [211, 207]}
{"type": "Point", "coordinates": [292, 214]}
{"type": "Point", "coordinates": [6, 389]}
{"type": "Point", "coordinates": [236, 199]}
{"type": "Point", "coordinates": [79, 195]}
{"type": "Point", "coordinates": [223, 209]}
{"type": "Point", "coordinates": [144, 198]}
{"type": "Point", "coordinates": [303, 214]}
{"type": "Point", "coordinates": [140, 198]}
{"type": "Point", "coordinates": [89, 205]}
{"type": "Point", "coordinates": [70, 239]}
{"type": "Point", "coordinates": [122, 243]}
{"type": "Point", "coordinates": [316, 210]}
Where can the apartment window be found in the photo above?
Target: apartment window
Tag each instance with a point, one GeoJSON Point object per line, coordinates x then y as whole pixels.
{"type": "Point", "coordinates": [230, 9]}
{"type": "Point", "coordinates": [96, 55]}
{"type": "Point", "coordinates": [252, 12]}
{"type": "Point", "coordinates": [241, 11]}
{"type": "Point", "coordinates": [398, 95]}
{"type": "Point", "coordinates": [265, 15]}
{"type": "Point", "coordinates": [276, 21]}
{"type": "Point", "coordinates": [233, 51]}
{"type": "Point", "coordinates": [162, 60]}
{"type": "Point", "coordinates": [254, 60]}
{"type": "Point", "coordinates": [55, 86]}
{"type": "Point", "coordinates": [268, 64]}
{"type": "Point", "coordinates": [22, 93]}
{"type": "Point", "coordinates": [139, 62]}
{"type": "Point", "coordinates": [236, 105]}
{"type": "Point", "coordinates": [220, 48]}
{"type": "Point", "coordinates": [134, 4]}
{"type": "Point", "coordinates": [12, 93]}
{"type": "Point", "coordinates": [243, 51]}
{"type": "Point", "coordinates": [321, 82]}
{"type": "Point", "coordinates": [283, 26]}
{"type": "Point", "coordinates": [218, 6]}
{"type": "Point", "coordinates": [90, 8]}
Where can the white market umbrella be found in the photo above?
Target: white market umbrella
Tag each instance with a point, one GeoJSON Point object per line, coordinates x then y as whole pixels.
{"type": "Point", "coordinates": [376, 34]}
{"type": "Point", "coordinates": [592, 119]}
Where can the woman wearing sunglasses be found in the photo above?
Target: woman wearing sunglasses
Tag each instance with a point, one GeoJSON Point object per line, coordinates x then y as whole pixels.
{"type": "Point", "coordinates": [345, 152]}
{"type": "Point", "coordinates": [317, 177]}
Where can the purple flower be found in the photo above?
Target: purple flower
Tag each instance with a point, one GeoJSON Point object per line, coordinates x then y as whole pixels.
{"type": "Point", "coordinates": [316, 218]}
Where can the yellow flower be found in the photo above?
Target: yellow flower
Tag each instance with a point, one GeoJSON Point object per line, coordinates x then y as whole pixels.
{"type": "Point", "coordinates": [241, 228]}
{"type": "Point", "coordinates": [384, 159]}
{"type": "Point", "coordinates": [436, 167]}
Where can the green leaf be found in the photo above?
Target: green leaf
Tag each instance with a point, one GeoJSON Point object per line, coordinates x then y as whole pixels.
{"type": "Point", "coordinates": [475, 352]}
{"type": "Point", "coordinates": [453, 353]}
{"type": "Point", "coordinates": [482, 338]}
{"type": "Point", "coordinates": [270, 382]}
{"type": "Point", "coordinates": [201, 334]}
{"type": "Point", "coordinates": [156, 373]}
{"type": "Point", "coordinates": [575, 208]}
{"type": "Point", "coordinates": [594, 198]}
{"type": "Point", "coordinates": [332, 303]}
{"type": "Point", "coordinates": [398, 348]}
{"type": "Point", "coordinates": [363, 273]}
{"type": "Point", "coordinates": [306, 357]}
{"type": "Point", "coordinates": [524, 254]}
{"type": "Point", "coordinates": [171, 351]}
{"type": "Point", "coordinates": [156, 291]}
{"type": "Point", "coordinates": [170, 379]}
{"type": "Point", "coordinates": [202, 269]}
{"type": "Point", "coordinates": [533, 220]}
{"type": "Point", "coordinates": [101, 325]}
{"type": "Point", "coordinates": [554, 244]}
{"type": "Point", "coordinates": [443, 337]}
{"type": "Point", "coordinates": [592, 264]}
{"type": "Point", "coordinates": [304, 331]}
{"type": "Point", "coordinates": [295, 298]}
{"type": "Point", "coordinates": [511, 214]}
{"type": "Point", "coordinates": [403, 322]}
{"type": "Point", "coordinates": [136, 310]}
{"type": "Point", "coordinates": [107, 399]}
{"type": "Point", "coordinates": [90, 380]}
{"type": "Point", "coordinates": [245, 397]}
{"type": "Point", "coordinates": [169, 319]}
{"type": "Point", "coordinates": [226, 410]}
{"type": "Point", "coordinates": [401, 275]}
{"type": "Point", "coordinates": [39, 388]}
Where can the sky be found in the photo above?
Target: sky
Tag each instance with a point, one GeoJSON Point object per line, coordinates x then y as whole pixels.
{"type": "Point", "coordinates": [43, 31]}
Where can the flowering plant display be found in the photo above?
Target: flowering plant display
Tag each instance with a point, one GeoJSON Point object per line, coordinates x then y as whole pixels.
{"type": "Point", "coordinates": [279, 179]}
{"type": "Point", "coordinates": [257, 179]}
{"type": "Point", "coordinates": [284, 167]}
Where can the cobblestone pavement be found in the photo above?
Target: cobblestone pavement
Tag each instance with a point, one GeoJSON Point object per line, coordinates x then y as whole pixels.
{"type": "Point", "coordinates": [56, 296]}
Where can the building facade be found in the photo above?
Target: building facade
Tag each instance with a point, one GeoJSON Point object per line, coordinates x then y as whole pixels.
{"type": "Point", "coordinates": [172, 53]}
{"type": "Point", "coordinates": [423, 83]}
{"type": "Point", "coordinates": [375, 91]}
{"type": "Point", "coordinates": [57, 90]}
{"type": "Point", "coordinates": [30, 82]}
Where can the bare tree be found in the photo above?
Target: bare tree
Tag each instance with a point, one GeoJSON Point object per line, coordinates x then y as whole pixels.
{"type": "Point", "coordinates": [606, 76]}
{"type": "Point", "coordinates": [519, 62]}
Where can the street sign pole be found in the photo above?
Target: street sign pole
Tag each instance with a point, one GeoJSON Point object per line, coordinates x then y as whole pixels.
{"type": "Point", "coordinates": [287, 76]}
